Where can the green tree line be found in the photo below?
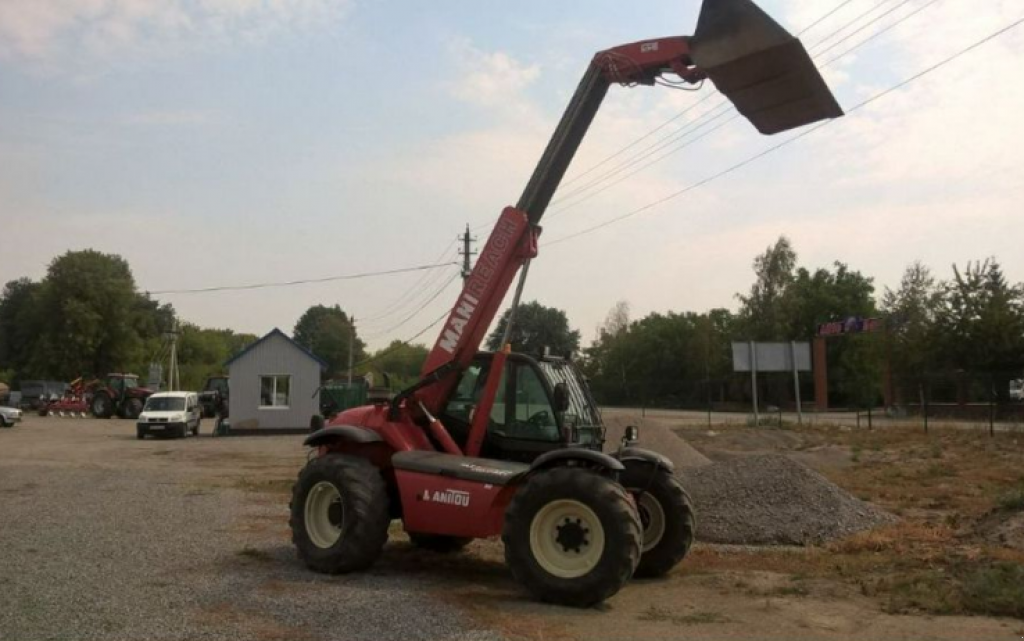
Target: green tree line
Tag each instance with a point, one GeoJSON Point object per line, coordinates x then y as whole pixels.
{"type": "Point", "coordinates": [968, 329]}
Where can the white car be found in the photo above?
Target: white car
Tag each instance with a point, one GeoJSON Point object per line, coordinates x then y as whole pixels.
{"type": "Point", "coordinates": [9, 416]}
{"type": "Point", "coordinates": [1017, 390]}
{"type": "Point", "coordinates": [170, 413]}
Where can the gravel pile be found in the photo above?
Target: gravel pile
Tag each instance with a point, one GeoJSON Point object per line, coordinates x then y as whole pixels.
{"type": "Point", "coordinates": [772, 500]}
{"type": "Point", "coordinates": [657, 437]}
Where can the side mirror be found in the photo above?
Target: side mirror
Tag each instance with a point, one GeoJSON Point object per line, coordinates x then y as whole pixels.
{"type": "Point", "coordinates": [561, 398]}
{"type": "Point", "coordinates": [631, 435]}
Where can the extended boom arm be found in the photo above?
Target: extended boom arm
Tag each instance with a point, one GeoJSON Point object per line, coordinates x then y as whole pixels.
{"type": "Point", "coordinates": [755, 63]}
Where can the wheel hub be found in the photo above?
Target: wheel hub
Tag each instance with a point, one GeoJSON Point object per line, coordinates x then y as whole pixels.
{"type": "Point", "coordinates": [567, 538]}
{"type": "Point", "coordinates": [572, 536]}
{"type": "Point", "coordinates": [334, 513]}
{"type": "Point", "coordinates": [324, 514]}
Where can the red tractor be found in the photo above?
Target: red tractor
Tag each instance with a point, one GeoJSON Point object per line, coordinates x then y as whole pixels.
{"type": "Point", "coordinates": [118, 394]}
{"type": "Point", "coordinates": [502, 444]}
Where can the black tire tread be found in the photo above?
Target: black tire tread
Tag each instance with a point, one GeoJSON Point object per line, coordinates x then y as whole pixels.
{"type": "Point", "coordinates": [366, 498]}
{"type": "Point", "coordinates": [623, 525]}
{"type": "Point", "coordinates": [680, 525]}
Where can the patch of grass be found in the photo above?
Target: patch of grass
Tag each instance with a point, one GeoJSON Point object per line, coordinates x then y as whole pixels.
{"type": "Point", "coordinates": [938, 470]}
{"type": "Point", "coordinates": [255, 554]}
{"type": "Point", "coordinates": [791, 590]}
{"type": "Point", "coordinates": [1012, 500]}
{"type": "Point", "coordinates": [931, 591]}
{"type": "Point", "coordinates": [996, 590]}
{"type": "Point", "coordinates": [663, 615]}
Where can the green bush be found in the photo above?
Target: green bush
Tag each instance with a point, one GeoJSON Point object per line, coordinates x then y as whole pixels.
{"type": "Point", "coordinates": [997, 590]}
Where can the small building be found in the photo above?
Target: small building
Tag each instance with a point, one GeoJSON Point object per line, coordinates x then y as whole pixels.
{"type": "Point", "coordinates": [273, 383]}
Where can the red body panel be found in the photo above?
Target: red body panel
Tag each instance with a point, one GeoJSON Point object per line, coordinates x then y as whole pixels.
{"type": "Point", "coordinates": [401, 435]}
{"type": "Point", "coordinates": [636, 61]}
{"type": "Point", "coordinates": [434, 504]}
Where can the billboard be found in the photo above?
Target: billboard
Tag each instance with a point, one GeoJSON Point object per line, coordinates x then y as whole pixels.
{"type": "Point", "coordinates": [771, 357]}
{"type": "Point", "coordinates": [850, 325]}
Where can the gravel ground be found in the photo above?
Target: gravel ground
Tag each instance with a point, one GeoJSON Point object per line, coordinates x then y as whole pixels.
{"type": "Point", "coordinates": [772, 500]}
{"type": "Point", "coordinates": [654, 435]}
{"type": "Point", "coordinates": [135, 541]}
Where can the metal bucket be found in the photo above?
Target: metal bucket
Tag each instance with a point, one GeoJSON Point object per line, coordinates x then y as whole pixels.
{"type": "Point", "coordinates": [763, 70]}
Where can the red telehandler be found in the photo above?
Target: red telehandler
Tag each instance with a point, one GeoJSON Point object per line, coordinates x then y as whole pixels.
{"type": "Point", "coordinates": [506, 445]}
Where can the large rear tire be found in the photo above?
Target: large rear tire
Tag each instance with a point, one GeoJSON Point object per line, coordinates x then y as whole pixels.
{"type": "Point", "coordinates": [132, 408]}
{"type": "Point", "coordinates": [102, 406]}
{"type": "Point", "coordinates": [572, 536]}
{"type": "Point", "coordinates": [439, 543]}
{"type": "Point", "coordinates": [666, 513]}
{"type": "Point", "coordinates": [339, 514]}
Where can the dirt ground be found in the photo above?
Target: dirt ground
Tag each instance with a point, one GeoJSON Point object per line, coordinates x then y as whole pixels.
{"type": "Point", "coordinates": [871, 586]}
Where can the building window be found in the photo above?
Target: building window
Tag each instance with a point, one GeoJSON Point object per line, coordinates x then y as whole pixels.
{"type": "Point", "coordinates": [275, 390]}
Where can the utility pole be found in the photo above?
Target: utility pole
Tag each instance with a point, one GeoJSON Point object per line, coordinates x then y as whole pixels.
{"type": "Point", "coordinates": [173, 377]}
{"type": "Point", "coordinates": [466, 252]}
{"type": "Point", "coordinates": [351, 346]}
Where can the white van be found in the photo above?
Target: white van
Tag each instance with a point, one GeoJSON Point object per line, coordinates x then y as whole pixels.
{"type": "Point", "coordinates": [170, 414]}
{"type": "Point", "coordinates": [1017, 390]}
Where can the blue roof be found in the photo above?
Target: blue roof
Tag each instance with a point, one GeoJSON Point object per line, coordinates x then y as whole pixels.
{"type": "Point", "coordinates": [276, 332]}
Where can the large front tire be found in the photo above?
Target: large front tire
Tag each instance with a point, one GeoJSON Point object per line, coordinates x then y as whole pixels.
{"type": "Point", "coordinates": [572, 536]}
{"type": "Point", "coordinates": [339, 514]}
{"type": "Point", "coordinates": [102, 406]}
{"type": "Point", "coordinates": [666, 513]}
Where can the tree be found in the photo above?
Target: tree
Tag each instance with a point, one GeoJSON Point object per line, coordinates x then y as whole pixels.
{"type": "Point", "coordinates": [764, 311]}
{"type": "Point", "coordinates": [18, 326]}
{"type": "Point", "coordinates": [910, 314]}
{"type": "Point", "coordinates": [203, 352]}
{"type": "Point", "coordinates": [326, 331]}
{"type": "Point", "coordinates": [537, 327]}
{"type": "Point", "coordinates": [88, 314]}
{"type": "Point", "coordinates": [980, 325]}
{"type": "Point", "coordinates": [401, 362]}
{"type": "Point", "coordinates": [617, 320]}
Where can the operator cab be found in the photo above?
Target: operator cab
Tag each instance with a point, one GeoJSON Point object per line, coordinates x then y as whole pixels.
{"type": "Point", "coordinates": [540, 405]}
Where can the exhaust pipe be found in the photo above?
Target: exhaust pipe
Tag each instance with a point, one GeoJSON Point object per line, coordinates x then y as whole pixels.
{"type": "Point", "coordinates": [762, 69]}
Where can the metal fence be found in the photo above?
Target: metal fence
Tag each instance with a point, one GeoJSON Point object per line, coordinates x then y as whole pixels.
{"type": "Point", "coordinates": [949, 399]}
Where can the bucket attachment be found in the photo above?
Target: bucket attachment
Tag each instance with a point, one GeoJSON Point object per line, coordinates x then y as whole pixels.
{"type": "Point", "coordinates": [760, 67]}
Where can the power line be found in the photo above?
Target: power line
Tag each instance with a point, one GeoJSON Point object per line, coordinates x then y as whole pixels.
{"type": "Point", "coordinates": [416, 300]}
{"type": "Point", "coordinates": [307, 281]}
{"type": "Point", "coordinates": [823, 18]}
{"type": "Point", "coordinates": [881, 31]}
{"type": "Point", "coordinates": [793, 139]}
{"type": "Point", "coordinates": [865, 26]}
{"type": "Point", "coordinates": [417, 286]}
{"type": "Point", "coordinates": [404, 343]}
{"type": "Point", "coordinates": [405, 320]}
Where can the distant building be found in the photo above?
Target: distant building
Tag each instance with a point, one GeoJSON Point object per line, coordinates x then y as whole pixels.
{"type": "Point", "coordinates": [274, 384]}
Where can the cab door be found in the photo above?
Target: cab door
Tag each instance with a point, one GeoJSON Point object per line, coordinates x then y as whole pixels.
{"type": "Point", "coordinates": [523, 423]}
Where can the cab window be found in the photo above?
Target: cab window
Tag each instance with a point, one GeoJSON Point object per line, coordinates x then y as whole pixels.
{"type": "Point", "coordinates": [531, 416]}
{"type": "Point", "coordinates": [462, 405]}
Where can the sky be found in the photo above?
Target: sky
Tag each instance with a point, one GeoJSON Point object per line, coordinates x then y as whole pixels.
{"type": "Point", "coordinates": [230, 142]}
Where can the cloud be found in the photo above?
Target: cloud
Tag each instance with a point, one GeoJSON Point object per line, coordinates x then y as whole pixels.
{"type": "Point", "coordinates": [57, 33]}
{"type": "Point", "coordinates": [182, 118]}
{"type": "Point", "coordinates": [490, 79]}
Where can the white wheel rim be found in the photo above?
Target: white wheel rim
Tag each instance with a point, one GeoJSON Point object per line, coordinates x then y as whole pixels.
{"type": "Point", "coordinates": [567, 539]}
{"type": "Point", "coordinates": [652, 516]}
{"type": "Point", "coordinates": [324, 514]}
